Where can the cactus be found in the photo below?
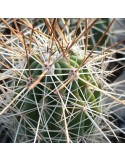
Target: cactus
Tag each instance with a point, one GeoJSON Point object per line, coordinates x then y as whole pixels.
{"type": "Point", "coordinates": [63, 97]}
{"type": "Point", "coordinates": [56, 89]}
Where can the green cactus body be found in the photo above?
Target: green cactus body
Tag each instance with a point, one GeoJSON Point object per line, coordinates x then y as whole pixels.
{"type": "Point", "coordinates": [50, 112]}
